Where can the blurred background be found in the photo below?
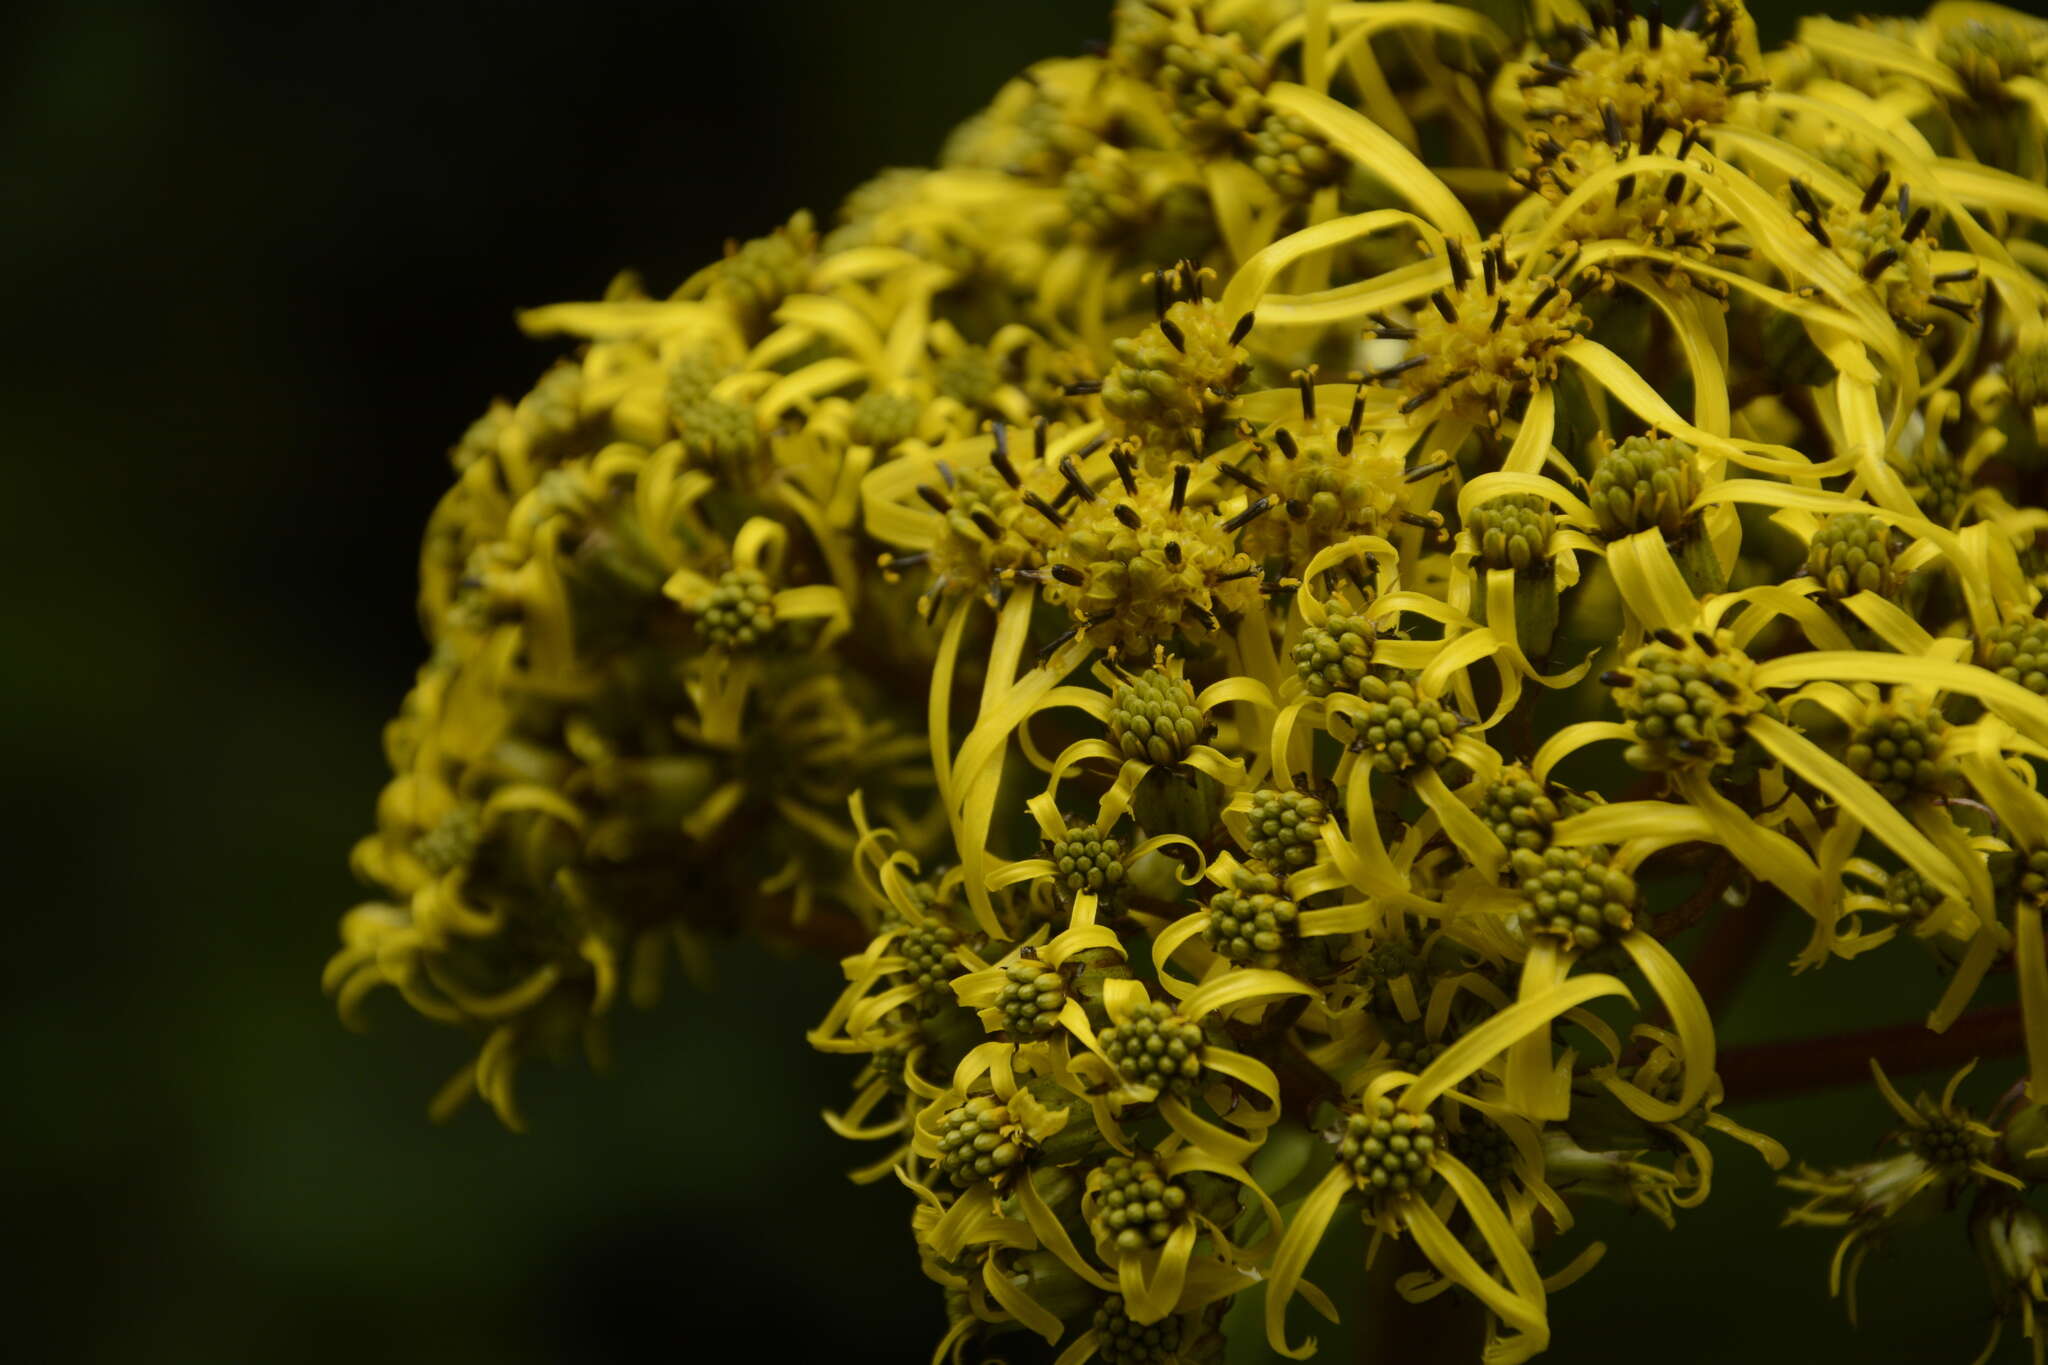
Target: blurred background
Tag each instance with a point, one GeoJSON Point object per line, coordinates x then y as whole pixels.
{"type": "Point", "coordinates": [258, 267]}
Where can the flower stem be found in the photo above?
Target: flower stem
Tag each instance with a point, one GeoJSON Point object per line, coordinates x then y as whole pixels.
{"type": "Point", "coordinates": [1768, 1070]}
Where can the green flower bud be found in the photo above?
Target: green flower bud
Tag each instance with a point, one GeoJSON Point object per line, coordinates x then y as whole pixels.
{"type": "Point", "coordinates": [1573, 896]}
{"type": "Point", "coordinates": [1911, 896]}
{"type": "Point", "coordinates": [1286, 828]}
{"type": "Point", "coordinates": [1852, 553]}
{"type": "Point", "coordinates": [1153, 716]}
{"type": "Point", "coordinates": [452, 842]}
{"type": "Point", "coordinates": [1388, 1150]}
{"type": "Point", "coordinates": [1292, 157]}
{"type": "Point", "coordinates": [978, 1140]}
{"type": "Point", "coordinates": [1897, 749]}
{"type": "Point", "coordinates": [718, 434]}
{"type": "Point", "coordinates": [1642, 483]}
{"type": "Point", "coordinates": [883, 420]}
{"type": "Point", "coordinates": [1789, 352]}
{"type": "Point", "coordinates": [1031, 1000]}
{"type": "Point", "coordinates": [968, 376]}
{"type": "Point", "coordinates": [931, 951]}
{"type": "Point", "coordinates": [1937, 483]}
{"type": "Point", "coordinates": [755, 279]}
{"type": "Point", "coordinates": [2018, 652]}
{"type": "Point", "coordinates": [2026, 370]}
{"type": "Point", "coordinates": [1253, 923]}
{"type": "Point", "coordinates": [1216, 85]}
{"type": "Point", "coordinates": [1120, 1341]}
{"type": "Point", "coordinates": [1484, 1147]}
{"type": "Point", "coordinates": [1985, 55]}
{"type": "Point", "coordinates": [691, 378]}
{"type": "Point", "coordinates": [1084, 860]}
{"type": "Point", "coordinates": [1155, 1047]}
{"type": "Point", "coordinates": [1335, 656]}
{"type": "Point", "coordinates": [740, 612]}
{"type": "Point", "coordinates": [1513, 532]}
{"type": "Point", "coordinates": [1413, 1055]}
{"type": "Point", "coordinates": [1521, 811]}
{"type": "Point", "coordinates": [1137, 1205]}
{"type": "Point", "coordinates": [2025, 877]}
{"type": "Point", "coordinates": [1687, 701]}
{"type": "Point", "coordinates": [1400, 729]}
{"type": "Point", "coordinates": [1945, 1141]}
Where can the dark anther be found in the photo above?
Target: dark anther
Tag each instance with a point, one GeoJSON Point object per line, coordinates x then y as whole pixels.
{"type": "Point", "coordinates": [1128, 515]}
{"type": "Point", "coordinates": [1653, 130]}
{"type": "Point", "coordinates": [1171, 331]}
{"type": "Point", "coordinates": [1674, 188]}
{"type": "Point", "coordinates": [1610, 123]}
{"type": "Point", "coordinates": [1068, 574]}
{"type": "Point", "coordinates": [1162, 294]}
{"type": "Point", "coordinates": [1357, 408]}
{"type": "Point", "coordinates": [1688, 140]}
{"type": "Point", "coordinates": [1204, 615]}
{"type": "Point", "coordinates": [1057, 643]}
{"type": "Point", "coordinates": [1126, 469]}
{"type": "Point", "coordinates": [1724, 687]}
{"type": "Point", "coordinates": [1543, 296]}
{"type": "Point", "coordinates": [1284, 438]}
{"type": "Point", "coordinates": [1500, 315]}
{"type": "Point", "coordinates": [1242, 330]}
{"type": "Point", "coordinates": [1423, 471]}
{"type": "Point", "coordinates": [999, 460]}
{"type": "Point", "coordinates": [1084, 388]}
{"type": "Point", "coordinates": [1614, 677]}
{"type": "Point", "coordinates": [1442, 303]}
{"type": "Point", "coordinates": [1668, 637]}
{"type": "Point", "coordinates": [939, 501]}
{"type": "Point", "coordinates": [1880, 263]}
{"type": "Point", "coordinates": [1461, 270]}
{"type": "Point", "coordinates": [1345, 436]}
{"type": "Point", "coordinates": [1962, 276]}
{"type": "Point", "coordinates": [1748, 87]}
{"type": "Point", "coordinates": [1307, 381]}
{"type": "Point", "coordinates": [1241, 573]}
{"type": "Point", "coordinates": [1656, 24]}
{"type": "Point", "coordinates": [1398, 367]}
{"type": "Point", "coordinates": [1489, 268]}
{"type": "Point", "coordinates": [1298, 509]}
{"type": "Point", "coordinates": [1180, 486]}
{"type": "Point", "coordinates": [1044, 509]}
{"type": "Point", "coordinates": [1956, 306]}
{"type": "Point", "coordinates": [1917, 223]}
{"type": "Point", "coordinates": [1706, 644]}
{"type": "Point", "coordinates": [1873, 195]}
{"type": "Point", "coordinates": [986, 523]}
{"type": "Point", "coordinates": [1173, 552]}
{"type": "Point", "coordinates": [1739, 250]}
{"type": "Point", "coordinates": [1805, 198]}
{"type": "Point", "coordinates": [1071, 472]}
{"type": "Point", "coordinates": [1249, 515]}
{"type": "Point", "coordinates": [1236, 475]}
{"type": "Point", "coordinates": [1419, 399]}
{"type": "Point", "coordinates": [1039, 435]}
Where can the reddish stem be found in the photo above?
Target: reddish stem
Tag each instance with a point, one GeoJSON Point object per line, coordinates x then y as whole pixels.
{"type": "Point", "coordinates": [1767, 1070]}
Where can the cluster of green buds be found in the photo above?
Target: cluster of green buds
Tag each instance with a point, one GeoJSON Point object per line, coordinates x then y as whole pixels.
{"type": "Point", "coordinates": [1251, 605]}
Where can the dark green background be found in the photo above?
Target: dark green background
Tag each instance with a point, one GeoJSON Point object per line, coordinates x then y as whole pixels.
{"type": "Point", "coordinates": [258, 272]}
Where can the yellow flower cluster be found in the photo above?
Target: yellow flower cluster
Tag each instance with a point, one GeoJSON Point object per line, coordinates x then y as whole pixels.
{"type": "Point", "coordinates": [1265, 588]}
